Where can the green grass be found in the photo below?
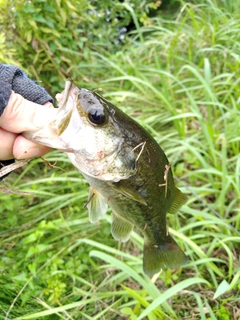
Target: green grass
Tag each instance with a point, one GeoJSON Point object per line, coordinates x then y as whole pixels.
{"type": "Point", "coordinates": [181, 81]}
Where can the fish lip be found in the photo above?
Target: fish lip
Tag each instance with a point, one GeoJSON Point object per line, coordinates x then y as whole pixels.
{"type": "Point", "coordinates": [67, 89]}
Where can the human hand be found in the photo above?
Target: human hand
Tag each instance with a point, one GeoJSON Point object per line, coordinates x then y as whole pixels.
{"type": "Point", "coordinates": [22, 115]}
{"type": "Point", "coordinates": [24, 106]}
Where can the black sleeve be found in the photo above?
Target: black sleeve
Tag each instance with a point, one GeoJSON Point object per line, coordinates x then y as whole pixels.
{"type": "Point", "coordinates": [12, 78]}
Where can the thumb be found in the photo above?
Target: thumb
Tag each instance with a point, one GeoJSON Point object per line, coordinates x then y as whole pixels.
{"type": "Point", "coordinates": [22, 115]}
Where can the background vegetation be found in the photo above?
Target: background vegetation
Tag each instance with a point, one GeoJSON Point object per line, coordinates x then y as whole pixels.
{"type": "Point", "coordinates": [175, 67]}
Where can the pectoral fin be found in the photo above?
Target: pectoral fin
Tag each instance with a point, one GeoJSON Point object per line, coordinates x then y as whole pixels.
{"type": "Point", "coordinates": [97, 205]}
{"type": "Point", "coordinates": [179, 199]}
{"type": "Point", "coordinates": [129, 192]}
{"type": "Point", "coordinates": [121, 229]}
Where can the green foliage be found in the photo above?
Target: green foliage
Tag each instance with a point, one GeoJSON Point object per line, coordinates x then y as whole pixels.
{"type": "Point", "coordinates": [57, 29]}
{"type": "Point", "coordinates": [179, 78]}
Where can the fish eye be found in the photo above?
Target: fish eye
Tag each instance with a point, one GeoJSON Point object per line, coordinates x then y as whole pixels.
{"type": "Point", "coordinates": [97, 116]}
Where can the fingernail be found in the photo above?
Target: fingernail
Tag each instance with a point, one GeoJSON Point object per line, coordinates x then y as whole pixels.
{"type": "Point", "coordinates": [32, 152]}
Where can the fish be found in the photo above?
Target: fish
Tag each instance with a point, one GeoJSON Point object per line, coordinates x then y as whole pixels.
{"type": "Point", "coordinates": [125, 167]}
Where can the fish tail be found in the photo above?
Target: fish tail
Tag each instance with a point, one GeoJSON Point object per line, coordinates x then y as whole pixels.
{"type": "Point", "coordinates": [157, 256]}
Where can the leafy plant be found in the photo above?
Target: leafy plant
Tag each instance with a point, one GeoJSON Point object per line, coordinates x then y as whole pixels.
{"type": "Point", "coordinates": [57, 29]}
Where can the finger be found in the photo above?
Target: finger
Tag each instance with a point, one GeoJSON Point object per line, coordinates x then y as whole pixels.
{"type": "Point", "coordinates": [23, 115]}
{"type": "Point", "coordinates": [7, 141]}
{"type": "Point", "coordinates": [25, 149]}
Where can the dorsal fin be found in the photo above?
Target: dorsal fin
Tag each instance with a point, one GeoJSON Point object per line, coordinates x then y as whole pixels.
{"type": "Point", "coordinates": [179, 199]}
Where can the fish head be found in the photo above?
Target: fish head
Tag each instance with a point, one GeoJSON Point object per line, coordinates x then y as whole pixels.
{"type": "Point", "coordinates": [85, 127]}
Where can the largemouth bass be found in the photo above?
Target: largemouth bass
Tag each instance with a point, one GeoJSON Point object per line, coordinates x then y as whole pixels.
{"type": "Point", "coordinates": [125, 167]}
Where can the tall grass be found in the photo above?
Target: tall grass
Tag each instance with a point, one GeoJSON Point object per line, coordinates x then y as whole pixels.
{"type": "Point", "coordinates": [181, 82]}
